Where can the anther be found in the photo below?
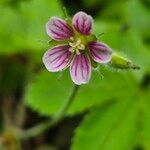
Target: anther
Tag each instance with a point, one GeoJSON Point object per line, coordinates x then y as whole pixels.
{"type": "Point", "coordinates": [76, 45]}
{"type": "Point", "coordinates": [81, 47]}
{"type": "Point", "coordinates": [72, 38]}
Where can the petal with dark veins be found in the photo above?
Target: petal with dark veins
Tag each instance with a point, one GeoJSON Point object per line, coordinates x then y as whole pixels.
{"type": "Point", "coordinates": [100, 52]}
{"type": "Point", "coordinates": [83, 23]}
{"type": "Point", "coordinates": [58, 29]}
{"type": "Point", "coordinates": [57, 58]}
{"type": "Point", "coordinates": [80, 69]}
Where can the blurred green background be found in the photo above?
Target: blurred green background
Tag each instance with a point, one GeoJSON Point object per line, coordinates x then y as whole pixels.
{"type": "Point", "coordinates": [112, 113]}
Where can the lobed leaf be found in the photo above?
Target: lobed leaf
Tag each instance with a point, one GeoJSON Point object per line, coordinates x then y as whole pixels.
{"type": "Point", "coordinates": [113, 127]}
{"type": "Point", "coordinates": [47, 94]}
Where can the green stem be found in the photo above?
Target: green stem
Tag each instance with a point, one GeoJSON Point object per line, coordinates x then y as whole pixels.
{"type": "Point", "coordinates": [63, 9]}
{"type": "Point", "coordinates": [39, 129]}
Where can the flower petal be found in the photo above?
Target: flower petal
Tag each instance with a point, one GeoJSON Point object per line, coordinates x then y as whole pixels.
{"type": "Point", "coordinates": [58, 29]}
{"type": "Point", "coordinates": [57, 58]}
{"type": "Point", "coordinates": [100, 52]}
{"type": "Point", "coordinates": [80, 69]}
{"type": "Point", "coordinates": [83, 23]}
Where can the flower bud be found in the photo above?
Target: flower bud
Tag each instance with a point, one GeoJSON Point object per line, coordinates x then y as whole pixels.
{"type": "Point", "coordinates": [120, 62]}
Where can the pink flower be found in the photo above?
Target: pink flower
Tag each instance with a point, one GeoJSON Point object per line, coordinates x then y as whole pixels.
{"type": "Point", "coordinates": [79, 49]}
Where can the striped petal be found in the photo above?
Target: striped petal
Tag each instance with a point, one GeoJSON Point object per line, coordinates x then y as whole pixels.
{"type": "Point", "coordinates": [58, 29]}
{"type": "Point", "coordinates": [100, 52]}
{"type": "Point", "coordinates": [83, 23]}
{"type": "Point", "coordinates": [57, 58]}
{"type": "Point", "coordinates": [80, 69]}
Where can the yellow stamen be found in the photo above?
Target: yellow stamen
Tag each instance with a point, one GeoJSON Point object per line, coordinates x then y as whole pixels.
{"type": "Point", "coordinates": [76, 45]}
{"type": "Point", "coordinates": [81, 47]}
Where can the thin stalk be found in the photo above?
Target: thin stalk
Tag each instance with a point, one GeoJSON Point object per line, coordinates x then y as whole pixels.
{"type": "Point", "coordinates": [39, 129]}
{"type": "Point", "coordinates": [63, 9]}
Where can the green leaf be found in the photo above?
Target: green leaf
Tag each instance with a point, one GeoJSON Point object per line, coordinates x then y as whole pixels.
{"type": "Point", "coordinates": [136, 51]}
{"type": "Point", "coordinates": [138, 18]}
{"type": "Point", "coordinates": [144, 120]}
{"type": "Point", "coordinates": [23, 27]}
{"type": "Point", "coordinates": [99, 91]}
{"type": "Point", "coordinates": [35, 15]}
{"type": "Point", "coordinates": [146, 130]}
{"type": "Point", "coordinates": [110, 128]}
{"type": "Point", "coordinates": [9, 29]}
{"type": "Point", "coordinates": [47, 94]}
{"type": "Point", "coordinates": [113, 11]}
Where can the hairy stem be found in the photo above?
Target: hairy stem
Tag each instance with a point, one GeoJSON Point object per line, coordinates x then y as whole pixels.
{"type": "Point", "coordinates": [39, 129]}
{"type": "Point", "coordinates": [63, 9]}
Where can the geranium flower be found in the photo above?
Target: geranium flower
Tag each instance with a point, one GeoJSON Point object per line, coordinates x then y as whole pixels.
{"type": "Point", "coordinates": [77, 47]}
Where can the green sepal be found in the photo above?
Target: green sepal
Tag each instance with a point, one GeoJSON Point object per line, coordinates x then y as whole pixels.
{"type": "Point", "coordinates": [91, 37]}
{"type": "Point", "coordinates": [55, 43]}
{"type": "Point", "coordinates": [94, 64]}
{"type": "Point", "coordinates": [120, 62]}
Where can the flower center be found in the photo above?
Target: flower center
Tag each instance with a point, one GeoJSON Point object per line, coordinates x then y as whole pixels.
{"type": "Point", "coordinates": [76, 45]}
